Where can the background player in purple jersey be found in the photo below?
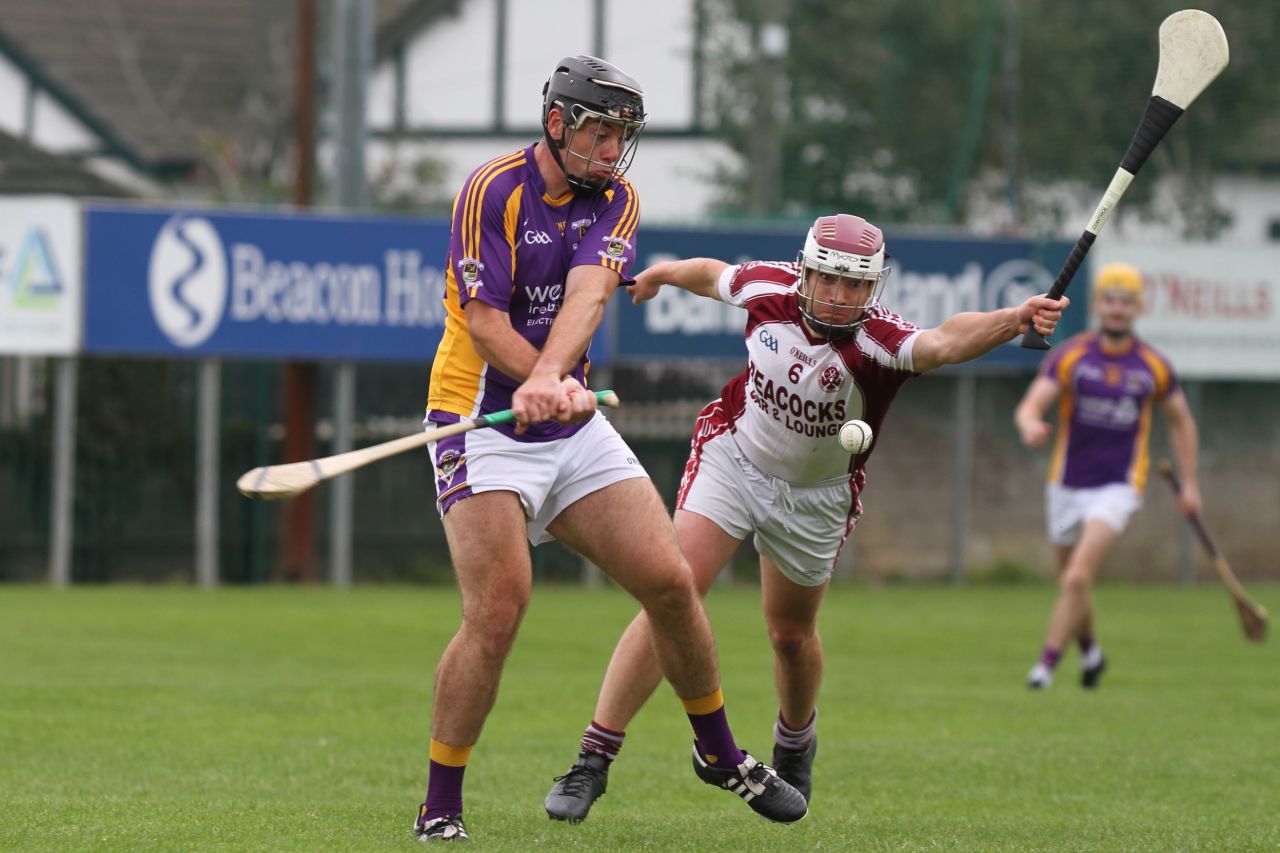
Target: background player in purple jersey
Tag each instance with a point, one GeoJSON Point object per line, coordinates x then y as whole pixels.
{"type": "Point", "coordinates": [541, 238]}
{"type": "Point", "coordinates": [766, 461]}
{"type": "Point", "coordinates": [1108, 381]}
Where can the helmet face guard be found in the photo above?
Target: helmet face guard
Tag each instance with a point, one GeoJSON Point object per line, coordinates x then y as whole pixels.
{"type": "Point", "coordinates": [844, 246]}
{"type": "Point", "coordinates": [593, 97]}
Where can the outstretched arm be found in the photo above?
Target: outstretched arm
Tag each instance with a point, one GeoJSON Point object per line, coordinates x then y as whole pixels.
{"type": "Point", "coordinates": [696, 275]}
{"type": "Point", "coordinates": [1029, 415]}
{"type": "Point", "coordinates": [966, 336]}
{"type": "Point", "coordinates": [1185, 439]}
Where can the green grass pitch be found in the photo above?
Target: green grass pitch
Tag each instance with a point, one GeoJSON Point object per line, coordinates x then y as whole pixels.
{"type": "Point", "coordinates": [296, 719]}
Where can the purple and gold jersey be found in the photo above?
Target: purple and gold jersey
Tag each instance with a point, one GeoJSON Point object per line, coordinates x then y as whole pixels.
{"type": "Point", "coordinates": [512, 247]}
{"type": "Point", "coordinates": [1104, 416]}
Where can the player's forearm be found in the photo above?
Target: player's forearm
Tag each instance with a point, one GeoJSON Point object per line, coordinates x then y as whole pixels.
{"type": "Point", "coordinates": [1027, 414]}
{"type": "Point", "coordinates": [502, 347]}
{"type": "Point", "coordinates": [1185, 440]}
{"type": "Point", "coordinates": [696, 275]}
{"type": "Point", "coordinates": [964, 337]}
{"type": "Point", "coordinates": [572, 329]}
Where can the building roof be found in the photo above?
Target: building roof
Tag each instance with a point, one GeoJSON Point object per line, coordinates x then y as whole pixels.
{"type": "Point", "coordinates": [155, 79]}
{"type": "Point", "coordinates": [26, 169]}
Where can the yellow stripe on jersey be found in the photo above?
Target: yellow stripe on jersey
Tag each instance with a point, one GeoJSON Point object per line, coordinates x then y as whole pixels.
{"type": "Point", "coordinates": [480, 207]}
{"type": "Point", "coordinates": [509, 219]}
{"type": "Point", "coordinates": [1159, 371]}
{"type": "Point", "coordinates": [1066, 406]}
{"type": "Point", "coordinates": [626, 226]}
{"type": "Point", "coordinates": [559, 201]}
{"type": "Point", "coordinates": [458, 370]}
{"type": "Point", "coordinates": [1141, 455]}
{"type": "Point", "coordinates": [473, 207]}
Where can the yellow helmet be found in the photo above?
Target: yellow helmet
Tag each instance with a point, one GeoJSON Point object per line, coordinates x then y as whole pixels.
{"type": "Point", "coordinates": [1119, 277]}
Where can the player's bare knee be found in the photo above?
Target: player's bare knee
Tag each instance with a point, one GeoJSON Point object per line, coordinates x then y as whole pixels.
{"type": "Point", "coordinates": [672, 601]}
{"type": "Point", "coordinates": [1074, 581]}
{"type": "Point", "coordinates": [492, 629]}
{"type": "Point", "coordinates": [791, 641]}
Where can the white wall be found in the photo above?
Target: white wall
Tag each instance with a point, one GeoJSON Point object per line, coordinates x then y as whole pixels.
{"type": "Point", "coordinates": [58, 131]}
{"type": "Point", "coordinates": [13, 98]}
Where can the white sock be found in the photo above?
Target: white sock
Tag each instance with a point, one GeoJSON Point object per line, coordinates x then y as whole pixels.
{"type": "Point", "coordinates": [1040, 674]}
{"type": "Point", "coordinates": [794, 739]}
{"type": "Point", "coordinates": [1091, 658]}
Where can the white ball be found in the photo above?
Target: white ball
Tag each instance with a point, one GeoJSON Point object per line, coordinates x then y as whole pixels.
{"type": "Point", "coordinates": [855, 437]}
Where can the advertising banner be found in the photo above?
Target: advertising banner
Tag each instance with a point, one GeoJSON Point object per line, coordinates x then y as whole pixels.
{"type": "Point", "coordinates": [39, 276]}
{"type": "Point", "coordinates": [261, 285]}
{"type": "Point", "coordinates": [1212, 309]}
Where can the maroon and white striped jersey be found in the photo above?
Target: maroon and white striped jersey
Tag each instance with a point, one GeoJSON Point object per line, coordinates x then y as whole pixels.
{"type": "Point", "coordinates": [788, 405]}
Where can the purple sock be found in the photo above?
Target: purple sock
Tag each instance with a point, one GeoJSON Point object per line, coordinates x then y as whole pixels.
{"type": "Point", "coordinates": [1049, 657]}
{"type": "Point", "coordinates": [444, 790]}
{"type": "Point", "coordinates": [715, 740]}
{"type": "Point", "coordinates": [1086, 643]}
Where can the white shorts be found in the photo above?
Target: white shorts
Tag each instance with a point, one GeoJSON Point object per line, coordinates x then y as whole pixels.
{"type": "Point", "coordinates": [800, 528]}
{"type": "Point", "coordinates": [547, 476]}
{"type": "Point", "coordinates": [1067, 509]}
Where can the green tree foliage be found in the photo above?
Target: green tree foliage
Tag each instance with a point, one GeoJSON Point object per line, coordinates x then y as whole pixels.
{"type": "Point", "coordinates": [908, 109]}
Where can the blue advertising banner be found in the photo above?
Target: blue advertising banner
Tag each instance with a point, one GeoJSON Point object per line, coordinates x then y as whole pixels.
{"type": "Point", "coordinates": [932, 279]}
{"type": "Point", "coordinates": [294, 285]}
{"type": "Point", "coordinates": [215, 283]}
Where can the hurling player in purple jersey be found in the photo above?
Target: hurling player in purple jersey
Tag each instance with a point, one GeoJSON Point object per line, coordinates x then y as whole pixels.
{"type": "Point", "coordinates": [766, 461]}
{"type": "Point", "coordinates": [1107, 382]}
{"type": "Point", "coordinates": [541, 239]}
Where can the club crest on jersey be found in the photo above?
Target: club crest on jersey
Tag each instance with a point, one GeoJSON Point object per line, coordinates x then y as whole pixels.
{"type": "Point", "coordinates": [447, 466]}
{"type": "Point", "coordinates": [471, 269]}
{"type": "Point", "coordinates": [831, 378]}
{"type": "Point", "coordinates": [581, 226]}
{"type": "Point", "coordinates": [614, 247]}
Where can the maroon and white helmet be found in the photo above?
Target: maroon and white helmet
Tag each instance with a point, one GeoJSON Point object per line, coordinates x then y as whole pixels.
{"type": "Point", "coordinates": [847, 246]}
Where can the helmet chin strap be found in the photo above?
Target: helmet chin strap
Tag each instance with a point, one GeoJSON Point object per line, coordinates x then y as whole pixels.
{"type": "Point", "coordinates": [578, 185]}
{"type": "Point", "coordinates": [825, 330]}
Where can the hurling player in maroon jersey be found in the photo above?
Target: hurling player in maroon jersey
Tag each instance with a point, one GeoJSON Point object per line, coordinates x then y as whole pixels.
{"type": "Point", "coordinates": [766, 461]}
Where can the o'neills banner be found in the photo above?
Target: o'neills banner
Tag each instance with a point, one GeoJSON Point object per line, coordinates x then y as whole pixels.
{"type": "Point", "coordinates": [1212, 308]}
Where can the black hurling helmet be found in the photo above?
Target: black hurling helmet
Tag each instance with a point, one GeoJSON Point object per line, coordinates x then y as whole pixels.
{"type": "Point", "coordinates": [585, 88]}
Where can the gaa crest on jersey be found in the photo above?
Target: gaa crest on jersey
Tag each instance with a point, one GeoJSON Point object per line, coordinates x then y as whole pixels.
{"type": "Point", "coordinates": [831, 378]}
{"type": "Point", "coordinates": [447, 466]}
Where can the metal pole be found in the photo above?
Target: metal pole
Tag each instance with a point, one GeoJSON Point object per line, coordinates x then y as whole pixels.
{"type": "Point", "coordinates": [962, 472]}
{"type": "Point", "coordinates": [597, 33]}
{"type": "Point", "coordinates": [500, 66]}
{"type": "Point", "coordinates": [61, 519]}
{"type": "Point", "coordinates": [207, 436]}
{"type": "Point", "coordinates": [299, 379]}
{"type": "Point", "coordinates": [352, 63]}
{"type": "Point", "coordinates": [352, 47]}
{"type": "Point", "coordinates": [342, 494]}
